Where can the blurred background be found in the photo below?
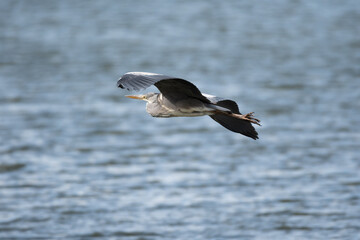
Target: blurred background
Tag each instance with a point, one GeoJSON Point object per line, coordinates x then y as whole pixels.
{"type": "Point", "coordinates": [78, 160]}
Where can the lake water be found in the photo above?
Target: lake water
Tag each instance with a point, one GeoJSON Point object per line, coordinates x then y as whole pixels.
{"type": "Point", "coordinates": [78, 160]}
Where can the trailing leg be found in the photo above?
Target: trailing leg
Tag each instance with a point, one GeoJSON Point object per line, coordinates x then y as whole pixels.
{"type": "Point", "coordinates": [247, 117]}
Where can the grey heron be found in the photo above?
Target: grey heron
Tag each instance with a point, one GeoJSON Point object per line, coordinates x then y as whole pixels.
{"type": "Point", "coordinates": [180, 98]}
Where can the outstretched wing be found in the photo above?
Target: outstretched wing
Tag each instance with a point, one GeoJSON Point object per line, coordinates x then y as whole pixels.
{"type": "Point", "coordinates": [236, 125]}
{"type": "Point", "coordinates": [233, 124]}
{"type": "Point", "coordinates": [168, 86]}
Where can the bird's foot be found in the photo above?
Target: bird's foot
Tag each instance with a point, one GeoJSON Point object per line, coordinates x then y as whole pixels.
{"type": "Point", "coordinates": [247, 117]}
{"type": "Point", "coordinates": [250, 117]}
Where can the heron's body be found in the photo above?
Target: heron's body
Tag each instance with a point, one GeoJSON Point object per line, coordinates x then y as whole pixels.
{"type": "Point", "coordinates": [165, 107]}
{"type": "Point", "coordinates": [180, 98]}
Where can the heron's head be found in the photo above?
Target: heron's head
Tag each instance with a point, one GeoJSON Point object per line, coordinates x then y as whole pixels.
{"type": "Point", "coordinates": [149, 97]}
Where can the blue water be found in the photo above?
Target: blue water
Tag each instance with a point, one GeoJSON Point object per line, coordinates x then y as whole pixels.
{"type": "Point", "coordinates": [78, 160]}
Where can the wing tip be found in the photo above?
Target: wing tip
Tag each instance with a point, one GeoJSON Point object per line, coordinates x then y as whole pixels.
{"type": "Point", "coordinates": [119, 85]}
{"type": "Point", "coordinates": [123, 81]}
{"type": "Point", "coordinates": [255, 136]}
{"type": "Point", "coordinates": [251, 133]}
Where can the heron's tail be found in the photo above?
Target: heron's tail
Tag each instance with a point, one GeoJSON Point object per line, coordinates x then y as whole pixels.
{"type": "Point", "coordinates": [237, 123]}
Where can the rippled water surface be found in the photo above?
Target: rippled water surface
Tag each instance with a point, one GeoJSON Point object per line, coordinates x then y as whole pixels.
{"type": "Point", "coordinates": [80, 161]}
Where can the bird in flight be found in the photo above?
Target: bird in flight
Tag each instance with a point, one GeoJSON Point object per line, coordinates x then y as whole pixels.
{"type": "Point", "coordinates": [180, 98]}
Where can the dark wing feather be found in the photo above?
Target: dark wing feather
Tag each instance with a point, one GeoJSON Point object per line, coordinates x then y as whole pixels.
{"type": "Point", "coordinates": [229, 104]}
{"type": "Point", "coordinates": [236, 125]}
{"type": "Point", "coordinates": [168, 86]}
{"type": "Point", "coordinates": [233, 124]}
{"type": "Point", "coordinates": [179, 88]}
{"type": "Point", "coordinates": [222, 102]}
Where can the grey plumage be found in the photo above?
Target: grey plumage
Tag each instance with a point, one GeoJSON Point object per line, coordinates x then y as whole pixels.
{"type": "Point", "coordinates": [179, 97]}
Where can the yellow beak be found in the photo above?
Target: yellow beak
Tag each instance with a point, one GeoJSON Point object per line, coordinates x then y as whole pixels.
{"type": "Point", "coordinates": [141, 97]}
